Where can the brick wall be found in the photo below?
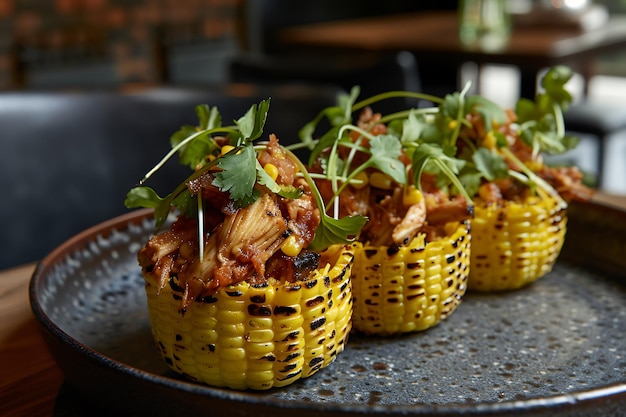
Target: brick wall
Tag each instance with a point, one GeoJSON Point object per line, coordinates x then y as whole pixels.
{"type": "Point", "coordinates": [131, 35]}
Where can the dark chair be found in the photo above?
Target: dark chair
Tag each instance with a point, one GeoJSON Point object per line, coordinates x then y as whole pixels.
{"type": "Point", "coordinates": [603, 122]}
{"type": "Point", "coordinates": [373, 74]}
{"type": "Point", "coordinates": [68, 159]}
{"type": "Point", "coordinates": [264, 60]}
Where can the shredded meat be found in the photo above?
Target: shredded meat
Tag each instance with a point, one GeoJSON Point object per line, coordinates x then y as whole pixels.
{"type": "Point", "coordinates": [241, 243]}
{"type": "Point", "coordinates": [567, 181]}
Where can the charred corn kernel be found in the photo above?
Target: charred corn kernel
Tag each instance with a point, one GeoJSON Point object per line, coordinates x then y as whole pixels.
{"type": "Point", "coordinates": [256, 337]}
{"type": "Point", "coordinates": [379, 180]}
{"type": "Point", "coordinates": [515, 244]}
{"type": "Point", "coordinates": [411, 195]}
{"type": "Point", "coordinates": [271, 170]}
{"type": "Point", "coordinates": [361, 181]}
{"type": "Point", "coordinates": [291, 246]}
{"type": "Point", "coordinates": [410, 288]}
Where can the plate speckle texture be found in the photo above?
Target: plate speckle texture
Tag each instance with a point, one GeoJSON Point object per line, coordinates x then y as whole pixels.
{"type": "Point", "coordinates": [558, 342]}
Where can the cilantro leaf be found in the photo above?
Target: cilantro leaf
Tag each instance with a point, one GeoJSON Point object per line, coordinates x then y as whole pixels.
{"type": "Point", "coordinates": [209, 117]}
{"type": "Point", "coordinates": [251, 124]}
{"type": "Point", "coordinates": [238, 174]}
{"type": "Point", "coordinates": [193, 153]}
{"type": "Point", "coordinates": [332, 231]}
{"type": "Point", "coordinates": [489, 111]}
{"type": "Point", "coordinates": [413, 127]}
{"type": "Point", "coordinates": [541, 121]}
{"type": "Point", "coordinates": [286, 191]}
{"type": "Point", "coordinates": [386, 151]}
{"type": "Point", "coordinates": [490, 164]}
{"type": "Point", "coordinates": [142, 197]}
{"type": "Point", "coordinates": [554, 82]}
{"type": "Point", "coordinates": [426, 153]}
{"type": "Point", "coordinates": [147, 197]}
{"type": "Point", "coordinates": [471, 179]}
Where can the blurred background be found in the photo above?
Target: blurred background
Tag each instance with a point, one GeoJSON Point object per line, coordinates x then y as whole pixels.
{"type": "Point", "coordinates": [90, 90]}
{"type": "Point", "coordinates": [114, 43]}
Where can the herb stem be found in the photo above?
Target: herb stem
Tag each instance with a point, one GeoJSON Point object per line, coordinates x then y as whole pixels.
{"type": "Point", "coordinates": [182, 143]}
{"type": "Point", "coordinates": [536, 179]}
{"type": "Point", "coordinates": [200, 227]}
{"type": "Point", "coordinates": [455, 181]}
{"type": "Point", "coordinates": [395, 94]}
{"type": "Point", "coordinates": [405, 113]}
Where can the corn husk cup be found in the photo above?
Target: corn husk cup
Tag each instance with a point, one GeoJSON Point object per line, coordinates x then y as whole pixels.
{"type": "Point", "coordinates": [515, 244]}
{"type": "Point", "coordinates": [410, 288]}
{"type": "Point", "coordinates": [256, 336]}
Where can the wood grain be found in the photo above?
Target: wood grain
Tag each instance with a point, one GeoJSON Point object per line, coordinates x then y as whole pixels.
{"type": "Point", "coordinates": [29, 377]}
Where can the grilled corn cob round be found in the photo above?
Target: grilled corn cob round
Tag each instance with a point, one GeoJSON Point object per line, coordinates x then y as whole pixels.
{"type": "Point", "coordinates": [410, 288]}
{"type": "Point", "coordinates": [514, 244]}
{"type": "Point", "coordinates": [256, 337]}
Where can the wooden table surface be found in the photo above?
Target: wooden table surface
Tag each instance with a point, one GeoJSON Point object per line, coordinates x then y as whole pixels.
{"type": "Point", "coordinates": [30, 380]}
{"type": "Point", "coordinates": [437, 33]}
{"type": "Point", "coordinates": [29, 377]}
{"type": "Point", "coordinates": [433, 38]}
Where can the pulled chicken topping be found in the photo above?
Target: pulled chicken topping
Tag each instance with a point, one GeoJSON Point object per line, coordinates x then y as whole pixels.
{"type": "Point", "coordinates": [240, 243]}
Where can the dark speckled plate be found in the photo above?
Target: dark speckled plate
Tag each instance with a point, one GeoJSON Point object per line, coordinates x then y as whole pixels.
{"type": "Point", "coordinates": [556, 348]}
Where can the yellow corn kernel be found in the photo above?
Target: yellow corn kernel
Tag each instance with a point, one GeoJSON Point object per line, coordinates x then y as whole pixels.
{"type": "Point", "coordinates": [361, 181]}
{"type": "Point", "coordinates": [411, 195]}
{"type": "Point", "coordinates": [452, 124]}
{"type": "Point", "coordinates": [271, 170]}
{"type": "Point", "coordinates": [534, 166]}
{"type": "Point", "coordinates": [515, 244]}
{"type": "Point", "coordinates": [225, 149]}
{"type": "Point", "coordinates": [291, 246]}
{"type": "Point", "coordinates": [256, 337]}
{"type": "Point", "coordinates": [410, 288]}
{"type": "Point", "coordinates": [489, 141]}
{"type": "Point", "coordinates": [380, 180]}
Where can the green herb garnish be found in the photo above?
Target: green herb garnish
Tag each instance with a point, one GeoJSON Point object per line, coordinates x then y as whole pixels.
{"type": "Point", "coordinates": [431, 138]}
{"type": "Point", "coordinates": [239, 172]}
{"type": "Point", "coordinates": [541, 121]}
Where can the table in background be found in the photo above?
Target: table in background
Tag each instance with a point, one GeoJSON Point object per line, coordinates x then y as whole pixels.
{"type": "Point", "coordinates": [433, 37]}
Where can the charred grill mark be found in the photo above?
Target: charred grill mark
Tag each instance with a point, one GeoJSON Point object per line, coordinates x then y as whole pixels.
{"type": "Point", "coordinates": [292, 356]}
{"type": "Point", "coordinates": [260, 298]}
{"type": "Point", "coordinates": [285, 311]}
{"type": "Point", "coordinates": [317, 323]}
{"type": "Point", "coordinates": [370, 252]}
{"type": "Point", "coordinates": [259, 311]}
{"type": "Point", "coordinates": [310, 284]}
{"type": "Point", "coordinates": [209, 299]}
{"type": "Point", "coordinates": [315, 301]}
{"type": "Point", "coordinates": [392, 250]}
{"type": "Point", "coordinates": [290, 376]}
{"type": "Point", "coordinates": [291, 336]}
{"type": "Point", "coordinates": [316, 361]}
